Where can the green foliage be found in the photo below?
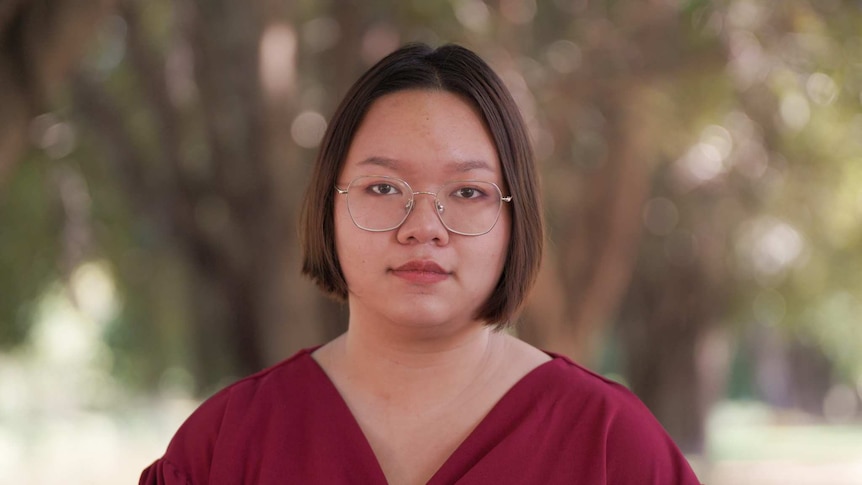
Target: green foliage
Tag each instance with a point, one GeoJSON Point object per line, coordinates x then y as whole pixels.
{"type": "Point", "coordinates": [782, 79]}
{"type": "Point", "coordinates": [30, 245]}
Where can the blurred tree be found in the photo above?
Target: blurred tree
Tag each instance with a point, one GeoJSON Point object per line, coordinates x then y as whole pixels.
{"type": "Point", "coordinates": [39, 44]}
{"type": "Point", "coordinates": [733, 234]}
{"type": "Point", "coordinates": [697, 159]}
{"type": "Point", "coordinates": [214, 170]}
{"type": "Point", "coordinates": [796, 75]}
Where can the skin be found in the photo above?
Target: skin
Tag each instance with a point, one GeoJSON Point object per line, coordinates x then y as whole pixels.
{"type": "Point", "coordinates": [413, 356]}
{"type": "Point", "coordinates": [426, 138]}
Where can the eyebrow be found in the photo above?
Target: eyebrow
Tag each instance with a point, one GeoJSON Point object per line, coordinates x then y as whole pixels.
{"type": "Point", "coordinates": [380, 162]}
{"type": "Point", "coordinates": [467, 165]}
{"type": "Point", "coordinates": [456, 166]}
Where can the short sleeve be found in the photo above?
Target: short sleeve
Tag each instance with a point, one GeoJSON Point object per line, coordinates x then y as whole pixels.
{"type": "Point", "coordinates": [163, 472]}
{"type": "Point", "coordinates": [188, 458]}
{"type": "Point", "coordinates": [639, 450]}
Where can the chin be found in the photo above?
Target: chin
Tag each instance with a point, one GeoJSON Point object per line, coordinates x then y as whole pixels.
{"type": "Point", "coordinates": [427, 314]}
{"type": "Point", "coordinates": [417, 316]}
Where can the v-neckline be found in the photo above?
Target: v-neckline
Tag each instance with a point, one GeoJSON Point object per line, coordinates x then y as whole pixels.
{"type": "Point", "coordinates": [368, 450]}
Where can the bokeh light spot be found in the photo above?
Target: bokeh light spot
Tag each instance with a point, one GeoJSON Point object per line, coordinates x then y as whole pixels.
{"type": "Point", "coordinates": [278, 47]}
{"type": "Point", "coordinates": [795, 111]}
{"type": "Point", "coordinates": [518, 11]}
{"type": "Point", "coordinates": [308, 128]}
{"type": "Point", "coordinates": [564, 56]}
{"type": "Point", "coordinates": [660, 216]}
{"type": "Point", "coordinates": [821, 88]}
{"type": "Point", "coordinates": [473, 14]}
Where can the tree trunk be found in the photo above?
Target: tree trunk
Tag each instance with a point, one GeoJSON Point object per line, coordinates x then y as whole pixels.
{"type": "Point", "coordinates": [667, 318]}
{"type": "Point", "coordinates": [600, 231]}
{"type": "Point", "coordinates": [39, 43]}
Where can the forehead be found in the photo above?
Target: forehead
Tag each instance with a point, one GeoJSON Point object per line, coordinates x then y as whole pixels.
{"type": "Point", "coordinates": [422, 131]}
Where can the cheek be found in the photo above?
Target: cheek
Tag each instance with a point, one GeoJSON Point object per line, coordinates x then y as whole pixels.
{"type": "Point", "coordinates": [343, 227]}
{"type": "Point", "coordinates": [353, 249]}
{"type": "Point", "coordinates": [343, 246]}
{"type": "Point", "coordinates": [491, 254]}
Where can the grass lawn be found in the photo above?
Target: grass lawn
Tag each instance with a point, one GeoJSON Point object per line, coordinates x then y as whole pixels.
{"type": "Point", "coordinates": [749, 443]}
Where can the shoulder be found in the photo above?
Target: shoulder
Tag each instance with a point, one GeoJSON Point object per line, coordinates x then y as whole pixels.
{"type": "Point", "coordinates": [571, 381]}
{"type": "Point", "coordinates": [590, 394]}
{"type": "Point", "coordinates": [243, 403]}
{"type": "Point", "coordinates": [254, 391]}
{"type": "Point", "coordinates": [635, 446]}
{"type": "Point", "coordinates": [280, 379]}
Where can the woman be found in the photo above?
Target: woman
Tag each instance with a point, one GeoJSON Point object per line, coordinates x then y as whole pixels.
{"type": "Point", "coordinates": [423, 214]}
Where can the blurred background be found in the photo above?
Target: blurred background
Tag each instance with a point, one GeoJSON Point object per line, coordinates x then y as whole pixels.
{"type": "Point", "coordinates": [702, 173]}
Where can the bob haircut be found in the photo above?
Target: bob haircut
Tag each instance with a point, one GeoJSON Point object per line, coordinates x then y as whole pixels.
{"type": "Point", "coordinates": [457, 70]}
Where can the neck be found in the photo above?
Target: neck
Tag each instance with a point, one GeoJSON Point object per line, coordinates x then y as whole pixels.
{"type": "Point", "coordinates": [469, 346]}
{"type": "Point", "coordinates": [423, 370]}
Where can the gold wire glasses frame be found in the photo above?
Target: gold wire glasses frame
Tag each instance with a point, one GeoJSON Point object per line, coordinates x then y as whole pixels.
{"type": "Point", "coordinates": [379, 203]}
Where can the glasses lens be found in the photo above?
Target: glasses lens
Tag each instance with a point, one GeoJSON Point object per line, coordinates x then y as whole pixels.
{"type": "Point", "coordinates": [469, 207]}
{"type": "Point", "coordinates": [378, 203]}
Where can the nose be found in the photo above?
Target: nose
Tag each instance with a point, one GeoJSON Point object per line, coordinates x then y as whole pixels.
{"type": "Point", "coordinates": [423, 223]}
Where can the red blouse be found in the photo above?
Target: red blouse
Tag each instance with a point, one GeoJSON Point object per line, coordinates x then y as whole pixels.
{"type": "Point", "coordinates": [288, 424]}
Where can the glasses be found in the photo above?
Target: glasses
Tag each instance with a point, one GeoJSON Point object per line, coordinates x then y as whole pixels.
{"type": "Point", "coordinates": [379, 203]}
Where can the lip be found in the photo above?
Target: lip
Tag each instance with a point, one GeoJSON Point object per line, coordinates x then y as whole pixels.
{"type": "Point", "coordinates": [424, 272]}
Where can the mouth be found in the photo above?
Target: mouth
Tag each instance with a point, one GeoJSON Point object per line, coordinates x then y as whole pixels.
{"type": "Point", "coordinates": [421, 272]}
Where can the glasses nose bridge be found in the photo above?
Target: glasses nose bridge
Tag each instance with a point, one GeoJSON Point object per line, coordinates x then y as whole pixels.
{"type": "Point", "coordinates": [413, 195]}
{"type": "Point", "coordinates": [425, 192]}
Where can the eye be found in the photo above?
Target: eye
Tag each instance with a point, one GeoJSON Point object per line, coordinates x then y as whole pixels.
{"type": "Point", "coordinates": [383, 189]}
{"type": "Point", "coordinates": [468, 192]}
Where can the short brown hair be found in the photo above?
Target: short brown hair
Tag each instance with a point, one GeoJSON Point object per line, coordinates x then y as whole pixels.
{"type": "Point", "coordinates": [457, 70]}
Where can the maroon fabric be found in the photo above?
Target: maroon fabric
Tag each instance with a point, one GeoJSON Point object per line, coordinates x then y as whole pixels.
{"type": "Point", "coordinates": [287, 424]}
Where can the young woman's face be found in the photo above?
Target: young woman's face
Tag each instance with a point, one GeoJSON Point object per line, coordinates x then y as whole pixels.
{"type": "Point", "coordinates": [420, 274]}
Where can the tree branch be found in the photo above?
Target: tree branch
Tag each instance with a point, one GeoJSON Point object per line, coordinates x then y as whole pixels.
{"type": "Point", "coordinates": [107, 120]}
